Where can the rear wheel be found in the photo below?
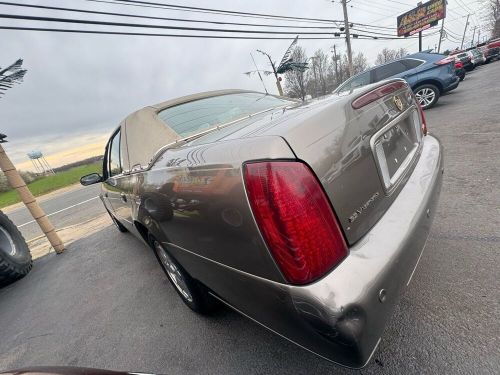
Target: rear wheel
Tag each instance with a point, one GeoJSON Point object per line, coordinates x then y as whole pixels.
{"type": "Point", "coordinates": [192, 293]}
{"type": "Point", "coordinates": [427, 95]}
{"type": "Point", "coordinates": [15, 256]}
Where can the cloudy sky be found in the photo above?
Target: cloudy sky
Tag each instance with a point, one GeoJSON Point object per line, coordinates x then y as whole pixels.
{"type": "Point", "coordinates": [79, 87]}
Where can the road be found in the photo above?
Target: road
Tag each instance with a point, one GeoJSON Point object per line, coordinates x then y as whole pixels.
{"type": "Point", "coordinates": [106, 303]}
{"type": "Point", "coordinates": [71, 207]}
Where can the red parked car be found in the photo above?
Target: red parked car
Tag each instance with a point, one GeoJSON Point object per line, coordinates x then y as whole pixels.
{"type": "Point", "coordinates": [492, 51]}
{"type": "Point", "coordinates": [459, 69]}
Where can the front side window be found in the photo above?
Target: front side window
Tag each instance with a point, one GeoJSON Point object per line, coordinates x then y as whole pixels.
{"type": "Point", "coordinates": [196, 116]}
{"type": "Point", "coordinates": [114, 159]}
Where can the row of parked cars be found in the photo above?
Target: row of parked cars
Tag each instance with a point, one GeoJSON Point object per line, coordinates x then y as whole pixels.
{"type": "Point", "coordinates": [466, 61]}
{"type": "Point", "coordinates": [430, 75]}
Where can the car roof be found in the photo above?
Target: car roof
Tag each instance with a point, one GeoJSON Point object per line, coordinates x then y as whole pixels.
{"type": "Point", "coordinates": [415, 56]}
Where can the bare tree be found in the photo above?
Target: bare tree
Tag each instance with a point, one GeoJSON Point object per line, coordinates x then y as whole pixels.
{"type": "Point", "coordinates": [296, 79]}
{"type": "Point", "coordinates": [318, 84]}
{"type": "Point", "coordinates": [492, 10]}
{"type": "Point", "coordinates": [387, 55]}
{"type": "Point", "coordinates": [360, 63]}
{"type": "Point", "coordinates": [11, 75]}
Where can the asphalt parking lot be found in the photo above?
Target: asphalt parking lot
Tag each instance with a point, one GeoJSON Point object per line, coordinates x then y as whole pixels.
{"type": "Point", "coordinates": [106, 303]}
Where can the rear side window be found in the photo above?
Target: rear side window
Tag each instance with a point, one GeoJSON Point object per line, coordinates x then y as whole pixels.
{"type": "Point", "coordinates": [114, 159]}
{"type": "Point", "coordinates": [362, 80]}
{"type": "Point", "coordinates": [411, 63]}
{"type": "Point", "coordinates": [199, 115]}
{"type": "Point", "coordinates": [389, 70]}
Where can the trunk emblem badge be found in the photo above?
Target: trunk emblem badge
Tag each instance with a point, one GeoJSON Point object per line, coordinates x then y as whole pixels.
{"type": "Point", "coordinates": [398, 102]}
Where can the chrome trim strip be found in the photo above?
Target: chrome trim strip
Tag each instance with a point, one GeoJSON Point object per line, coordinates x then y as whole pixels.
{"type": "Point", "coordinates": [410, 158]}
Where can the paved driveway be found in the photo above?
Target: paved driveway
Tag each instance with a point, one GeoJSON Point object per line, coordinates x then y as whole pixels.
{"type": "Point", "coordinates": [105, 302]}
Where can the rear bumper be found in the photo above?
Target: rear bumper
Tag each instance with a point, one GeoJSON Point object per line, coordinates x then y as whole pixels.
{"type": "Point", "coordinates": [348, 309]}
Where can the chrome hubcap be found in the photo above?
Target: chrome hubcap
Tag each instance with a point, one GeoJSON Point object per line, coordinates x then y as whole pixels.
{"type": "Point", "coordinates": [173, 272]}
{"type": "Point", "coordinates": [425, 97]}
{"type": "Point", "coordinates": [7, 243]}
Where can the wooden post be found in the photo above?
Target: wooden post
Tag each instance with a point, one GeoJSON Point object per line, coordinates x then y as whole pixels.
{"type": "Point", "coordinates": [17, 183]}
{"type": "Point", "coordinates": [278, 84]}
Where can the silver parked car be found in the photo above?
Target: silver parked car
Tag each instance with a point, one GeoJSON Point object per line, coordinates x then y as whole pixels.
{"type": "Point", "coordinates": [308, 218]}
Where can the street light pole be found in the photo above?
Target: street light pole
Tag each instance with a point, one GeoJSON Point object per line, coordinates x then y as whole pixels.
{"type": "Point", "coordinates": [347, 38]}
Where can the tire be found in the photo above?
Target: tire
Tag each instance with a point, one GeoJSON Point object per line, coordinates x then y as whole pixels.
{"type": "Point", "coordinates": [192, 293]}
{"type": "Point", "coordinates": [427, 95]}
{"type": "Point", "coordinates": [462, 77]}
{"type": "Point", "coordinates": [118, 225]}
{"type": "Point", "coordinates": [15, 256]}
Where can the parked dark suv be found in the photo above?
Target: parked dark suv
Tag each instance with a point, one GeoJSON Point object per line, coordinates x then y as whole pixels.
{"type": "Point", "coordinates": [429, 75]}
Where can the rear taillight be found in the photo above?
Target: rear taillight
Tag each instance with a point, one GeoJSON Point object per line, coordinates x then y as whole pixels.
{"type": "Point", "coordinates": [459, 65]}
{"type": "Point", "coordinates": [295, 219]}
{"type": "Point", "coordinates": [422, 118]}
{"type": "Point", "coordinates": [377, 93]}
{"type": "Point", "coordinates": [444, 61]}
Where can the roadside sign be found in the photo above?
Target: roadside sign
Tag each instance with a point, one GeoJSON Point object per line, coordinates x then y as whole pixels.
{"type": "Point", "coordinates": [422, 17]}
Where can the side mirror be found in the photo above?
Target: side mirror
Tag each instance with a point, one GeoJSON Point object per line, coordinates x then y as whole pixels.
{"type": "Point", "coordinates": [91, 179]}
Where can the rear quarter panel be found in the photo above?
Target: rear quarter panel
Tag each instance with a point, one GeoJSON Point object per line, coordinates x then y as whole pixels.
{"type": "Point", "coordinates": [193, 200]}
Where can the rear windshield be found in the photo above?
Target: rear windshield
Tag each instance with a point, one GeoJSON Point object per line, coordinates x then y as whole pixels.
{"type": "Point", "coordinates": [199, 115]}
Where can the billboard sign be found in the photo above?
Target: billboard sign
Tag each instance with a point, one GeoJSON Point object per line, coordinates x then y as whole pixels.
{"type": "Point", "coordinates": [421, 18]}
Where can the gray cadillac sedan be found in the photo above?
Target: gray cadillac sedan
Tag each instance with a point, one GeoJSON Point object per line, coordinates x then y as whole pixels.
{"type": "Point", "coordinates": [308, 218]}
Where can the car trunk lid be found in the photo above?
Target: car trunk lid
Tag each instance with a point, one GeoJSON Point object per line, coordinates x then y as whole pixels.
{"type": "Point", "coordinates": [362, 154]}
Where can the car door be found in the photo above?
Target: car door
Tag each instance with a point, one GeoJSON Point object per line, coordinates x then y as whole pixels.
{"type": "Point", "coordinates": [117, 183]}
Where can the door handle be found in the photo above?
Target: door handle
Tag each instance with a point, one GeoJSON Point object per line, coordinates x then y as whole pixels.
{"type": "Point", "coordinates": [124, 197]}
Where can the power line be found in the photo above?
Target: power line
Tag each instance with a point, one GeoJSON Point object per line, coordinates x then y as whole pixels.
{"type": "Point", "coordinates": [167, 35]}
{"type": "Point", "coordinates": [160, 18]}
{"type": "Point", "coordinates": [308, 20]}
{"type": "Point", "coordinates": [374, 27]}
{"type": "Point", "coordinates": [183, 28]}
{"type": "Point", "coordinates": [104, 32]}
{"type": "Point", "coordinates": [219, 11]}
{"type": "Point", "coordinates": [125, 24]}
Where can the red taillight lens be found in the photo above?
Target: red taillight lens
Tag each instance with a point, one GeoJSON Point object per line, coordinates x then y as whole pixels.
{"type": "Point", "coordinates": [295, 219]}
{"type": "Point", "coordinates": [377, 93]}
{"type": "Point", "coordinates": [424, 121]}
{"type": "Point", "coordinates": [459, 65]}
{"type": "Point", "coordinates": [444, 61]}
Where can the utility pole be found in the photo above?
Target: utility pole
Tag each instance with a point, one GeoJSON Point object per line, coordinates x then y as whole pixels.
{"type": "Point", "coordinates": [478, 35]}
{"type": "Point", "coordinates": [335, 64]}
{"type": "Point", "coordinates": [348, 38]}
{"type": "Point", "coordinates": [440, 36]}
{"type": "Point", "coordinates": [465, 30]}
{"type": "Point", "coordinates": [473, 36]}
